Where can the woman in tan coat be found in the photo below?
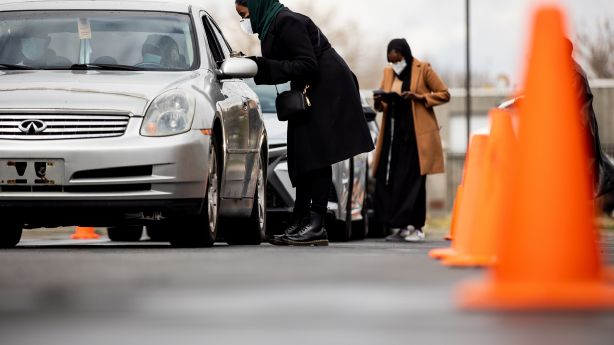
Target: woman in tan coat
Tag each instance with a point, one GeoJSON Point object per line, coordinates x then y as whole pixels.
{"type": "Point", "coordinates": [409, 146]}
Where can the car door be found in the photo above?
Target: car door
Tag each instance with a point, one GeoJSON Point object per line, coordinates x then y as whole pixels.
{"type": "Point", "coordinates": [241, 121]}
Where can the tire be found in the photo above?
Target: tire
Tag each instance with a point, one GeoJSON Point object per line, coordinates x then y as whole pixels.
{"type": "Point", "coordinates": [125, 233]}
{"type": "Point", "coordinates": [157, 233]}
{"type": "Point", "coordinates": [10, 235]}
{"type": "Point", "coordinates": [250, 231]}
{"type": "Point", "coordinates": [200, 231]}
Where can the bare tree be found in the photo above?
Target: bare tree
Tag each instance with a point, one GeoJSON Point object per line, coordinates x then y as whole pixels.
{"type": "Point", "coordinates": [597, 48]}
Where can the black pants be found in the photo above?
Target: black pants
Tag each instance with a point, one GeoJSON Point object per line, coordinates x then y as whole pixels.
{"type": "Point", "coordinates": [312, 191]}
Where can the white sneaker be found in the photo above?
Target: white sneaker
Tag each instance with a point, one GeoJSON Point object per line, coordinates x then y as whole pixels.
{"type": "Point", "coordinates": [415, 236]}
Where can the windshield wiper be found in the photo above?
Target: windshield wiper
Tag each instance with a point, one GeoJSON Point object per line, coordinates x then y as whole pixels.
{"type": "Point", "coordinates": [104, 67]}
{"type": "Point", "coordinates": [17, 67]}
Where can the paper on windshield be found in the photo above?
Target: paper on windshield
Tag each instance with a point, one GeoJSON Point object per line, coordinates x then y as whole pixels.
{"type": "Point", "coordinates": [85, 30]}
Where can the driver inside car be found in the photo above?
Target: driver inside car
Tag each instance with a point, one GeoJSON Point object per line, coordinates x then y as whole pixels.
{"type": "Point", "coordinates": [161, 51]}
{"type": "Point", "coordinates": [35, 52]}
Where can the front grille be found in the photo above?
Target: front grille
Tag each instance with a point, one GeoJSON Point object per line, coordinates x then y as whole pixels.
{"type": "Point", "coordinates": [62, 126]}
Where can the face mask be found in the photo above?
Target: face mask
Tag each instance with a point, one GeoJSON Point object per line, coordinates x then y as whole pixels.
{"type": "Point", "coordinates": [34, 48]}
{"type": "Point", "coordinates": [246, 25]}
{"type": "Point", "coordinates": [399, 67]}
{"type": "Point", "coordinates": [152, 58]}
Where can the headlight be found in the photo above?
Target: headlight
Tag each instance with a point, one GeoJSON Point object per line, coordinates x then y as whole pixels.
{"type": "Point", "coordinates": [171, 113]}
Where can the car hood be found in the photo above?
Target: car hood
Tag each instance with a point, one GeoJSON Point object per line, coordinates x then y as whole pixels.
{"type": "Point", "coordinates": [277, 131]}
{"type": "Point", "coordinates": [128, 91]}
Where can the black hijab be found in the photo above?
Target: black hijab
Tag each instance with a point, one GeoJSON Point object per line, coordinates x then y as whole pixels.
{"type": "Point", "coordinates": [402, 47]}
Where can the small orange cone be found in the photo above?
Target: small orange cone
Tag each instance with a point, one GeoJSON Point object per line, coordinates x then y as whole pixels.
{"type": "Point", "coordinates": [468, 207]}
{"type": "Point", "coordinates": [85, 233]}
{"type": "Point", "coordinates": [479, 245]}
{"type": "Point", "coordinates": [550, 258]}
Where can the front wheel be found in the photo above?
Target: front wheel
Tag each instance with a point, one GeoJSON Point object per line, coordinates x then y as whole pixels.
{"type": "Point", "coordinates": [200, 230]}
{"type": "Point", "coordinates": [10, 235]}
{"type": "Point", "coordinates": [251, 231]}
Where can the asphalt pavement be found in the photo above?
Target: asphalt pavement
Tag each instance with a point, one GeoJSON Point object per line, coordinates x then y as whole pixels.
{"type": "Point", "coordinates": [57, 291]}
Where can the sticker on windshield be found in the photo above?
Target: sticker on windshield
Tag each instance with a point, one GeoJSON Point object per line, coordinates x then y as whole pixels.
{"type": "Point", "coordinates": [85, 30]}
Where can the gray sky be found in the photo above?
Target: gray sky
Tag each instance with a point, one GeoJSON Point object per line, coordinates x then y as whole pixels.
{"type": "Point", "coordinates": [436, 31]}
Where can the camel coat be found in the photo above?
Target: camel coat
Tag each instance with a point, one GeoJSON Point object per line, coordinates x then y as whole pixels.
{"type": "Point", "coordinates": [424, 81]}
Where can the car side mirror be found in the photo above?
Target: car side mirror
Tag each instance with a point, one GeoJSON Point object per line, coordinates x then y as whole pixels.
{"type": "Point", "coordinates": [370, 114]}
{"type": "Point", "coordinates": [238, 68]}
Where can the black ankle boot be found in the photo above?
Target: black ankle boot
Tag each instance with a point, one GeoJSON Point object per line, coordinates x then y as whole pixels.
{"type": "Point", "coordinates": [299, 219]}
{"type": "Point", "coordinates": [312, 233]}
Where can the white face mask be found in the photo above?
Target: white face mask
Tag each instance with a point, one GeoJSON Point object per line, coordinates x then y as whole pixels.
{"type": "Point", "coordinates": [399, 67]}
{"type": "Point", "coordinates": [246, 25]}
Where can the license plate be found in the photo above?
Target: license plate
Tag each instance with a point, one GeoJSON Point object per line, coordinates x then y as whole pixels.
{"type": "Point", "coordinates": [31, 172]}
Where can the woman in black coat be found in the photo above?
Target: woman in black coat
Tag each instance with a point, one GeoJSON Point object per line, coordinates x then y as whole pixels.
{"type": "Point", "coordinates": [334, 128]}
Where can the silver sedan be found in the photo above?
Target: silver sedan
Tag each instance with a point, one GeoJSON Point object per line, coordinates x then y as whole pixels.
{"type": "Point", "coordinates": [127, 113]}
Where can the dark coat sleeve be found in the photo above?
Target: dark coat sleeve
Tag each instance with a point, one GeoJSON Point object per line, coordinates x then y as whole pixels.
{"type": "Point", "coordinates": [294, 38]}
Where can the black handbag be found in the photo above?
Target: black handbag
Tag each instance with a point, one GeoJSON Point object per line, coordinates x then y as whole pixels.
{"type": "Point", "coordinates": [291, 104]}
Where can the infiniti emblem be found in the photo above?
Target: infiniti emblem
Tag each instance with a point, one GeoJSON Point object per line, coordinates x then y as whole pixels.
{"type": "Point", "coordinates": [32, 126]}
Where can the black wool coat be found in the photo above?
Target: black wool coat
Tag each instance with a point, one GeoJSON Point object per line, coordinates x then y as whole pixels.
{"type": "Point", "coordinates": [335, 128]}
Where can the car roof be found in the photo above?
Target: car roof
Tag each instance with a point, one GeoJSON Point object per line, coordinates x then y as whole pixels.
{"type": "Point", "coordinates": [179, 6]}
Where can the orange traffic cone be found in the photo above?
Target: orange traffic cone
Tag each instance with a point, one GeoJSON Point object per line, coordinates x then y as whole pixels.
{"type": "Point", "coordinates": [85, 233]}
{"type": "Point", "coordinates": [468, 207]}
{"type": "Point", "coordinates": [550, 258]}
{"type": "Point", "coordinates": [478, 246]}
{"type": "Point", "coordinates": [457, 201]}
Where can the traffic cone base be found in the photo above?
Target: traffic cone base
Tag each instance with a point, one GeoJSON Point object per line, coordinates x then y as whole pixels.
{"type": "Point", "coordinates": [504, 296]}
{"type": "Point", "coordinates": [83, 233]}
{"type": "Point", "coordinates": [442, 253]}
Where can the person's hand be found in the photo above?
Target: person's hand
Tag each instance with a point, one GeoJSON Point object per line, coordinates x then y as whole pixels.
{"type": "Point", "coordinates": [377, 103]}
{"type": "Point", "coordinates": [255, 59]}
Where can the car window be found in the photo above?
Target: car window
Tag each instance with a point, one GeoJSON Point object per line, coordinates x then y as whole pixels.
{"type": "Point", "coordinates": [214, 45]}
{"type": "Point", "coordinates": [60, 39]}
{"type": "Point", "coordinates": [267, 95]}
{"type": "Point", "coordinates": [226, 49]}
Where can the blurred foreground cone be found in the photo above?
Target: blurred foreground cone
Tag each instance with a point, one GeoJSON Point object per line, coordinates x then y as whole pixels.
{"type": "Point", "coordinates": [85, 233]}
{"type": "Point", "coordinates": [478, 246]}
{"type": "Point", "coordinates": [468, 207]}
{"type": "Point", "coordinates": [550, 257]}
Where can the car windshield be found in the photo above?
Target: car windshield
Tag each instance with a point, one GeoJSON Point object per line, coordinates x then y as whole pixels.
{"type": "Point", "coordinates": [97, 39]}
{"type": "Point", "coordinates": [267, 95]}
